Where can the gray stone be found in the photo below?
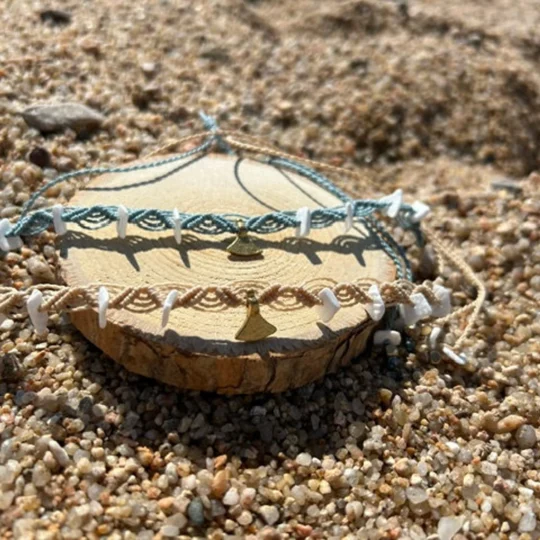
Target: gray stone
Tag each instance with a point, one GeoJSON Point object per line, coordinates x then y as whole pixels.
{"type": "Point", "coordinates": [52, 117]}
{"type": "Point", "coordinates": [507, 184]}
{"type": "Point", "coordinates": [40, 270]}
{"type": "Point", "coordinates": [196, 511]}
{"type": "Point", "coordinates": [526, 436]}
{"type": "Point", "coordinates": [449, 526]}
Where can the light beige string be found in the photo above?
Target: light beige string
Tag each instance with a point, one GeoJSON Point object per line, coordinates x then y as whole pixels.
{"type": "Point", "coordinates": [58, 298]}
{"type": "Point", "coordinates": [454, 259]}
{"type": "Point", "coordinates": [247, 143]}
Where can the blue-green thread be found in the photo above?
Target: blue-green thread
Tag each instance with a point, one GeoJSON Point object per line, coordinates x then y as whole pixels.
{"type": "Point", "coordinates": [98, 216]}
{"type": "Point", "coordinates": [206, 145]}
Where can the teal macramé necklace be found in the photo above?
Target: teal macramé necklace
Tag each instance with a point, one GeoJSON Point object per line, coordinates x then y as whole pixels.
{"type": "Point", "coordinates": [407, 302]}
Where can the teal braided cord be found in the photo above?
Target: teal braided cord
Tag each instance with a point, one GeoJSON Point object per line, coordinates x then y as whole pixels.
{"type": "Point", "coordinates": [388, 244]}
{"type": "Point", "coordinates": [312, 175]}
{"type": "Point", "coordinates": [98, 216]}
{"type": "Point", "coordinates": [158, 220]}
{"type": "Point", "coordinates": [105, 170]}
{"type": "Point", "coordinates": [390, 247]}
{"type": "Point", "coordinates": [211, 125]}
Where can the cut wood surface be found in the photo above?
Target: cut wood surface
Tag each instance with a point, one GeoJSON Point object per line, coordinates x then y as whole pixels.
{"type": "Point", "coordinates": [198, 350]}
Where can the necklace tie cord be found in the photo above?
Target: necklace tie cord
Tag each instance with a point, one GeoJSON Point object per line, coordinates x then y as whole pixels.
{"type": "Point", "coordinates": [415, 302]}
{"type": "Point", "coordinates": [99, 216]}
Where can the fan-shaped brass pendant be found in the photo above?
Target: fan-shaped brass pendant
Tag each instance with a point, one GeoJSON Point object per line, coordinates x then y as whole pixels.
{"type": "Point", "coordinates": [243, 245]}
{"type": "Point", "coordinates": [255, 326]}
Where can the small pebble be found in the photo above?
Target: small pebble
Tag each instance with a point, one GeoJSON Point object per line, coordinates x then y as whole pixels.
{"type": "Point", "coordinates": [527, 523]}
{"type": "Point", "coordinates": [40, 270]}
{"type": "Point", "coordinates": [232, 497]}
{"type": "Point", "coordinates": [169, 531]}
{"type": "Point", "coordinates": [303, 459]}
{"type": "Point", "coordinates": [526, 436]}
{"type": "Point", "coordinates": [41, 475]}
{"type": "Point", "coordinates": [220, 483]}
{"type": "Point", "coordinates": [270, 514]}
{"type": "Point", "coordinates": [40, 156]}
{"type": "Point", "coordinates": [449, 526]}
{"type": "Point", "coordinates": [510, 423]}
{"type": "Point", "coordinates": [354, 510]}
{"type": "Point", "coordinates": [196, 512]}
{"type": "Point", "coordinates": [416, 495]}
{"type": "Point", "coordinates": [59, 454]}
{"type": "Point", "coordinates": [247, 497]}
{"type": "Point", "coordinates": [245, 518]}
{"type": "Point", "coordinates": [55, 16]}
{"type": "Point", "coordinates": [403, 467]}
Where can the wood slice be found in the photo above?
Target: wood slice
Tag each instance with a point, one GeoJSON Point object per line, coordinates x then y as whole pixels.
{"type": "Point", "coordinates": [198, 349]}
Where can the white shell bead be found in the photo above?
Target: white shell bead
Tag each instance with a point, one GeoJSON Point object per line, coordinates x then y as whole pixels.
{"type": "Point", "coordinates": [376, 308]}
{"type": "Point", "coordinates": [421, 210]}
{"type": "Point", "coordinates": [445, 305]}
{"type": "Point", "coordinates": [395, 201]}
{"type": "Point", "coordinates": [8, 243]}
{"type": "Point", "coordinates": [59, 224]}
{"type": "Point", "coordinates": [420, 309]}
{"type": "Point", "coordinates": [349, 218]}
{"type": "Point", "coordinates": [167, 307]}
{"type": "Point", "coordinates": [177, 226]}
{"type": "Point", "coordinates": [121, 224]}
{"type": "Point", "coordinates": [330, 305]}
{"type": "Point", "coordinates": [303, 215]}
{"type": "Point", "coordinates": [103, 305]}
{"type": "Point", "coordinates": [39, 318]}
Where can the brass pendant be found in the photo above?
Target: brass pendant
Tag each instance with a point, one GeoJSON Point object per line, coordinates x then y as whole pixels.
{"type": "Point", "coordinates": [243, 245]}
{"type": "Point", "coordinates": [255, 327]}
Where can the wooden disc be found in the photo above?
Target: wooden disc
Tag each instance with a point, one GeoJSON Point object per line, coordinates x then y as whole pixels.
{"type": "Point", "coordinates": [198, 350]}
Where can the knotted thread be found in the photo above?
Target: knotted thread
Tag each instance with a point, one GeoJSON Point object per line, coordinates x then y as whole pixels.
{"type": "Point", "coordinates": [99, 216]}
{"type": "Point", "coordinates": [57, 298]}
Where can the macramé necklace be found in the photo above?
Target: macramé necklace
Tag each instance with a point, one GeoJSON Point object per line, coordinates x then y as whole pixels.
{"type": "Point", "coordinates": [401, 305]}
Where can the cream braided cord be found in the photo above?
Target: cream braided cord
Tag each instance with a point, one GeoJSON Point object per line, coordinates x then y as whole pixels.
{"type": "Point", "coordinates": [454, 259]}
{"type": "Point", "coordinates": [58, 298]}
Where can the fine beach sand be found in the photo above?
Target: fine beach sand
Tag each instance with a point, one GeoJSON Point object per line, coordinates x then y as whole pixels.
{"type": "Point", "coordinates": [441, 99]}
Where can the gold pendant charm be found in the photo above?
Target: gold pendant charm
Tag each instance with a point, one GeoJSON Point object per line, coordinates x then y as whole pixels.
{"type": "Point", "coordinates": [255, 327]}
{"type": "Point", "coordinates": [243, 245]}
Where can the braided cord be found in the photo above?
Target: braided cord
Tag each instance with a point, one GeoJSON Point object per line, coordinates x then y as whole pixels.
{"type": "Point", "coordinates": [98, 216]}
{"type": "Point", "coordinates": [454, 259]}
{"type": "Point", "coordinates": [143, 299]}
{"type": "Point", "coordinates": [57, 298]}
{"type": "Point", "coordinates": [313, 175]}
{"type": "Point", "coordinates": [206, 145]}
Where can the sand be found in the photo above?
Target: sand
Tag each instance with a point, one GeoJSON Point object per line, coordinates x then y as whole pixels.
{"type": "Point", "coordinates": [441, 99]}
